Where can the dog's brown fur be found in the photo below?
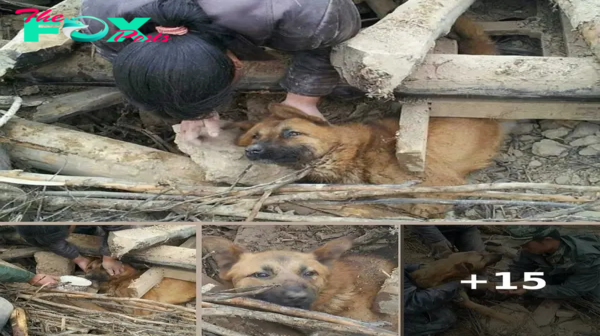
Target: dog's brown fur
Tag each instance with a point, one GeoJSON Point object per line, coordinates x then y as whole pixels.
{"type": "Point", "coordinates": [343, 285]}
{"type": "Point", "coordinates": [456, 267]}
{"type": "Point", "coordinates": [172, 291]}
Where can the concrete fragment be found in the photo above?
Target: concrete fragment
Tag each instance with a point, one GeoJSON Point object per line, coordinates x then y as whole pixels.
{"type": "Point", "coordinates": [387, 300]}
{"type": "Point", "coordinates": [224, 162]}
{"type": "Point", "coordinates": [549, 148]}
{"type": "Point", "coordinates": [125, 241]}
{"type": "Point", "coordinates": [576, 326]}
{"type": "Point", "coordinates": [586, 141]}
{"type": "Point", "coordinates": [565, 313]}
{"type": "Point", "coordinates": [590, 150]}
{"type": "Point", "coordinates": [584, 129]}
{"type": "Point", "coordinates": [557, 133]}
{"type": "Point", "coordinates": [52, 264]}
{"type": "Point", "coordinates": [535, 164]}
{"type": "Point", "coordinates": [564, 179]}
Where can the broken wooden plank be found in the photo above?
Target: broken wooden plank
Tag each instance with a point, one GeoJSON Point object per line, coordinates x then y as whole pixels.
{"type": "Point", "coordinates": [125, 241]}
{"type": "Point", "coordinates": [382, 7]}
{"type": "Point", "coordinates": [545, 312]}
{"type": "Point", "coordinates": [178, 274]}
{"type": "Point", "coordinates": [512, 109]}
{"type": "Point", "coordinates": [69, 152]}
{"type": "Point", "coordinates": [382, 56]}
{"type": "Point", "coordinates": [387, 301]}
{"type": "Point", "coordinates": [584, 16]}
{"type": "Point", "coordinates": [53, 264]}
{"type": "Point", "coordinates": [146, 282]}
{"type": "Point", "coordinates": [25, 252]}
{"type": "Point", "coordinates": [411, 141]}
{"type": "Point", "coordinates": [502, 28]}
{"type": "Point", "coordinates": [170, 256]}
{"type": "Point", "coordinates": [18, 54]}
{"type": "Point", "coordinates": [72, 104]}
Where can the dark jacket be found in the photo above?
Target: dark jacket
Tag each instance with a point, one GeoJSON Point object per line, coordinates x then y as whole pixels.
{"type": "Point", "coordinates": [572, 271]}
{"type": "Point", "coordinates": [436, 233]}
{"type": "Point", "coordinates": [419, 302]}
{"type": "Point", "coordinates": [306, 28]}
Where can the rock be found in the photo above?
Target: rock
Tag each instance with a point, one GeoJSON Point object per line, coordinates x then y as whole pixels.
{"type": "Point", "coordinates": [523, 129]}
{"type": "Point", "coordinates": [586, 141]}
{"type": "Point", "coordinates": [563, 179]}
{"type": "Point", "coordinates": [594, 178]}
{"type": "Point", "coordinates": [29, 90]}
{"type": "Point", "coordinates": [549, 148]}
{"type": "Point", "coordinates": [575, 179]}
{"type": "Point", "coordinates": [544, 313]}
{"type": "Point", "coordinates": [576, 326]}
{"type": "Point", "coordinates": [516, 153]}
{"type": "Point", "coordinates": [526, 138]}
{"type": "Point", "coordinates": [52, 264]}
{"type": "Point", "coordinates": [557, 133]}
{"type": "Point", "coordinates": [549, 124]}
{"type": "Point", "coordinates": [590, 150]}
{"type": "Point", "coordinates": [224, 162]}
{"type": "Point", "coordinates": [472, 213]}
{"type": "Point", "coordinates": [535, 164]}
{"type": "Point", "coordinates": [565, 313]}
{"type": "Point", "coordinates": [584, 129]}
{"type": "Point", "coordinates": [387, 300]}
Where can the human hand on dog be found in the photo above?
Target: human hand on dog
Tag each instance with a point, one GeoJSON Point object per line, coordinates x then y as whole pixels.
{"type": "Point", "coordinates": [441, 249]}
{"type": "Point", "coordinates": [112, 266]}
{"type": "Point", "coordinates": [82, 262]}
{"type": "Point", "coordinates": [193, 130]}
{"type": "Point", "coordinates": [43, 280]}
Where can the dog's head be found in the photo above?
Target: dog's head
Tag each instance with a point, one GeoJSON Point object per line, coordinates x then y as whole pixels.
{"type": "Point", "coordinates": [299, 276]}
{"type": "Point", "coordinates": [287, 137]}
{"type": "Point", "coordinates": [96, 272]}
{"type": "Point", "coordinates": [457, 266]}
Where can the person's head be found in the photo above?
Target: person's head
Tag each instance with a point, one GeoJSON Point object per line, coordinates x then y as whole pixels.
{"type": "Point", "coordinates": [43, 235]}
{"type": "Point", "coordinates": [186, 77]}
{"type": "Point", "coordinates": [540, 239]}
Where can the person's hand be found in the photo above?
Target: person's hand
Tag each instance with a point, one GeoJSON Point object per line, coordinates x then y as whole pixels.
{"type": "Point", "coordinates": [193, 130]}
{"type": "Point", "coordinates": [112, 266]}
{"type": "Point", "coordinates": [441, 249]}
{"type": "Point", "coordinates": [305, 104]}
{"type": "Point", "coordinates": [82, 262]}
{"type": "Point", "coordinates": [43, 280]}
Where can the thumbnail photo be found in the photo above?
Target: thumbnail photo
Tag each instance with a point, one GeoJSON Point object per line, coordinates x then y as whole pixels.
{"type": "Point", "coordinates": [523, 280]}
{"type": "Point", "coordinates": [117, 280]}
{"type": "Point", "coordinates": [295, 280]}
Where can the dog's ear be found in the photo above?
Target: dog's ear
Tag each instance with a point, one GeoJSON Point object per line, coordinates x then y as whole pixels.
{"type": "Point", "coordinates": [464, 268]}
{"type": "Point", "coordinates": [333, 250]}
{"type": "Point", "coordinates": [281, 111]}
{"type": "Point", "coordinates": [224, 251]}
{"type": "Point", "coordinates": [242, 125]}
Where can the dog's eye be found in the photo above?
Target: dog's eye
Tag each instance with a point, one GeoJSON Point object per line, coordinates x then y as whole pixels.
{"type": "Point", "coordinates": [289, 133]}
{"type": "Point", "coordinates": [256, 136]}
{"type": "Point", "coordinates": [261, 275]}
{"type": "Point", "coordinates": [309, 274]}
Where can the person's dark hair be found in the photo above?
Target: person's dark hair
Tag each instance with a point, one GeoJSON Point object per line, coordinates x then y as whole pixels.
{"type": "Point", "coordinates": [185, 77]}
{"type": "Point", "coordinates": [43, 235]}
{"type": "Point", "coordinates": [554, 235]}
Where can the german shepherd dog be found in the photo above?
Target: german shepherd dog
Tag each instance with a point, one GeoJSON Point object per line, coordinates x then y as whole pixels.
{"type": "Point", "coordinates": [358, 153]}
{"type": "Point", "coordinates": [456, 267]}
{"type": "Point", "coordinates": [322, 280]}
{"type": "Point", "coordinates": [169, 290]}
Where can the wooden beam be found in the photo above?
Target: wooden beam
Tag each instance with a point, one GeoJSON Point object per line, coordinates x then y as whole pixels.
{"type": "Point", "coordinates": [584, 16]}
{"type": "Point", "coordinates": [57, 149]}
{"type": "Point", "coordinates": [25, 252]}
{"type": "Point", "coordinates": [125, 241]}
{"type": "Point", "coordinates": [75, 103]}
{"type": "Point", "coordinates": [374, 63]}
{"type": "Point", "coordinates": [382, 7]}
{"type": "Point", "coordinates": [509, 28]}
{"type": "Point", "coordinates": [574, 43]}
{"type": "Point", "coordinates": [411, 142]}
{"type": "Point", "coordinates": [513, 109]}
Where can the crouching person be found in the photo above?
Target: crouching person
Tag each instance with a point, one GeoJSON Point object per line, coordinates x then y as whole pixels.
{"type": "Point", "coordinates": [427, 311]}
{"type": "Point", "coordinates": [10, 273]}
{"type": "Point", "coordinates": [54, 238]}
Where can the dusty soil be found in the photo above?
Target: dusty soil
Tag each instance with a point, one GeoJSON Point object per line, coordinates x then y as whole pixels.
{"type": "Point", "coordinates": [584, 323]}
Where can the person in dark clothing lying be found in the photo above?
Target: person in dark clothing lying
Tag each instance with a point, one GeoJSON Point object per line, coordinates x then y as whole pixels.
{"type": "Point", "coordinates": [54, 237]}
{"type": "Point", "coordinates": [427, 311]}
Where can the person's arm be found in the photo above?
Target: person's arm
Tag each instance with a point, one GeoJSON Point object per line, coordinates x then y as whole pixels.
{"type": "Point", "coordinates": [585, 279]}
{"type": "Point", "coordinates": [418, 301]}
{"type": "Point", "coordinates": [430, 233]}
{"type": "Point", "coordinates": [9, 273]}
{"type": "Point", "coordinates": [523, 263]}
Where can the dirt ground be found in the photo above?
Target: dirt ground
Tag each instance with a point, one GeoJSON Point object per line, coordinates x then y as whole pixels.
{"type": "Point", "coordinates": [583, 323]}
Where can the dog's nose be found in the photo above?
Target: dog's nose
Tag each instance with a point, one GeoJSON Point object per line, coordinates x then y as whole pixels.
{"type": "Point", "coordinates": [296, 293]}
{"type": "Point", "coordinates": [254, 151]}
